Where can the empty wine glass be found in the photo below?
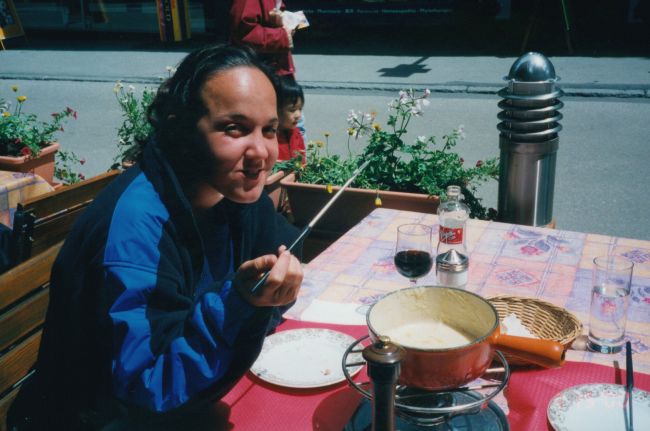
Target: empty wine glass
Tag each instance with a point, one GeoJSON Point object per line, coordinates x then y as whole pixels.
{"type": "Point", "coordinates": [413, 251]}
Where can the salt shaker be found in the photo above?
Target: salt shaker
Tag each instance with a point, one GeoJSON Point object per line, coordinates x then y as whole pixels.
{"type": "Point", "coordinates": [451, 269]}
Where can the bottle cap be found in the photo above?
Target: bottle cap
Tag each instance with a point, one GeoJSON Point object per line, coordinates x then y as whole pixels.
{"type": "Point", "coordinates": [453, 190]}
{"type": "Point", "coordinates": [452, 261]}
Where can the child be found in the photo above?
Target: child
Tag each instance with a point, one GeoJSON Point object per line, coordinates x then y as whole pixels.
{"type": "Point", "coordinates": [291, 100]}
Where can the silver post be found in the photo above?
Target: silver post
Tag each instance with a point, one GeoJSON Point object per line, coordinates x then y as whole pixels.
{"type": "Point", "coordinates": [528, 141]}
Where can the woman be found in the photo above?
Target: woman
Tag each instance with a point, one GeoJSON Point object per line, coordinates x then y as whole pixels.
{"type": "Point", "coordinates": [150, 313]}
{"type": "Point", "coordinates": [258, 24]}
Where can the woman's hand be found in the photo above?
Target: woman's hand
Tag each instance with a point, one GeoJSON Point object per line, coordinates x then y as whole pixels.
{"type": "Point", "coordinates": [282, 285]}
{"type": "Point", "coordinates": [275, 18]}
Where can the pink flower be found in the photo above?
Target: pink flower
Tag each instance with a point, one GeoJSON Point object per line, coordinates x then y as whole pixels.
{"type": "Point", "coordinates": [25, 151]}
{"type": "Point", "coordinates": [530, 250]}
{"type": "Point", "coordinates": [462, 160]}
{"type": "Point", "coordinates": [55, 114]}
{"type": "Point", "coordinates": [479, 163]}
{"type": "Point", "coordinates": [82, 176]}
{"type": "Point", "coordinates": [82, 161]}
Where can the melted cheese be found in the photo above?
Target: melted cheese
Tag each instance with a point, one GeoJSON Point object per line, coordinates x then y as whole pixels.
{"type": "Point", "coordinates": [427, 335]}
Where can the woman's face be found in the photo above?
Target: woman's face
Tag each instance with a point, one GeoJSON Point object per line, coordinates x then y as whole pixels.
{"type": "Point", "coordinates": [240, 131]}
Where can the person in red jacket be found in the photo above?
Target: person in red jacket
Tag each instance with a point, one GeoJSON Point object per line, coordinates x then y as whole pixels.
{"type": "Point", "coordinates": [291, 100]}
{"type": "Point", "coordinates": [258, 24]}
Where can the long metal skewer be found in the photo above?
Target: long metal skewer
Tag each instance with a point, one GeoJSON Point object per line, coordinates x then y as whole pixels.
{"type": "Point", "coordinates": [313, 221]}
{"type": "Point", "coordinates": [629, 384]}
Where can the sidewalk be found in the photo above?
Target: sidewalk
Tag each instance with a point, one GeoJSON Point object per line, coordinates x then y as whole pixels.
{"type": "Point", "coordinates": [579, 76]}
{"type": "Point", "coordinates": [603, 153]}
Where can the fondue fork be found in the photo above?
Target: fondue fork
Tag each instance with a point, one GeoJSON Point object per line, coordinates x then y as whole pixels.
{"type": "Point", "coordinates": [313, 222]}
{"type": "Point", "coordinates": [629, 384]}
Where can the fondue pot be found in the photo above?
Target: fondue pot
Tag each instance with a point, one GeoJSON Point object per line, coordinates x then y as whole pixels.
{"type": "Point", "coordinates": [420, 319]}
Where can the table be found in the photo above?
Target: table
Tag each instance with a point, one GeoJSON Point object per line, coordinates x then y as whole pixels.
{"type": "Point", "coordinates": [16, 187]}
{"type": "Point", "coordinates": [553, 265]}
{"type": "Point", "coordinates": [505, 259]}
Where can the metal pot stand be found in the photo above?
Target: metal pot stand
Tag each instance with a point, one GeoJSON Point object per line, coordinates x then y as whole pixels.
{"type": "Point", "coordinates": [466, 408]}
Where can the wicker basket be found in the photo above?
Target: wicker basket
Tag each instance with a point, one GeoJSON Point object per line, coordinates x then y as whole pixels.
{"type": "Point", "coordinates": [542, 318]}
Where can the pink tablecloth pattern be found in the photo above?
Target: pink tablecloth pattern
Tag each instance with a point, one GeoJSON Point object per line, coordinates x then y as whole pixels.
{"type": "Point", "coordinates": [16, 187]}
{"type": "Point", "coordinates": [553, 265]}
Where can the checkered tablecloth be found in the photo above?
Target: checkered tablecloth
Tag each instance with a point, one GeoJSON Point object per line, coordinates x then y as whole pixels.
{"type": "Point", "coordinates": [505, 259]}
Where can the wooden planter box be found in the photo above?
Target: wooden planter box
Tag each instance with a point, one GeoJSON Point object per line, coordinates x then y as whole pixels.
{"type": "Point", "coordinates": [273, 188]}
{"type": "Point", "coordinates": [42, 165]}
{"type": "Point", "coordinates": [305, 200]}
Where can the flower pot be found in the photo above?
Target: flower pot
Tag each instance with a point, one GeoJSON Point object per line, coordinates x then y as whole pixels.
{"type": "Point", "coordinates": [41, 165]}
{"type": "Point", "coordinates": [305, 200]}
{"type": "Point", "coordinates": [273, 188]}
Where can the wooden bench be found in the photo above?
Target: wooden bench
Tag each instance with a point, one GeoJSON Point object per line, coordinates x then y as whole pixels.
{"type": "Point", "coordinates": [24, 295]}
{"type": "Point", "coordinates": [40, 225]}
{"type": "Point", "coordinates": [44, 220]}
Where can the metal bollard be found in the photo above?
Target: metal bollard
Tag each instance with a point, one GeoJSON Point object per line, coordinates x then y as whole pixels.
{"type": "Point", "coordinates": [528, 141]}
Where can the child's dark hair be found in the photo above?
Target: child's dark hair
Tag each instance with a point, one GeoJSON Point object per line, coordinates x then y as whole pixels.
{"type": "Point", "coordinates": [289, 91]}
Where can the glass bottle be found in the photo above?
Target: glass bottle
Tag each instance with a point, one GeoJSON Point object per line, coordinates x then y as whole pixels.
{"type": "Point", "coordinates": [452, 215]}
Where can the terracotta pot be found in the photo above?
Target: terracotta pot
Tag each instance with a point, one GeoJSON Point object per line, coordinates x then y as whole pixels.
{"type": "Point", "coordinates": [419, 319]}
{"type": "Point", "coordinates": [42, 165]}
{"type": "Point", "coordinates": [352, 206]}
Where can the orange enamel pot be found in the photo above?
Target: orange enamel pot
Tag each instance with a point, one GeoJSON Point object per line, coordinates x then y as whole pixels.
{"type": "Point", "coordinates": [420, 318]}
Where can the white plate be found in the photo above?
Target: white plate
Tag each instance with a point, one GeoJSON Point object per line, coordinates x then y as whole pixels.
{"type": "Point", "coordinates": [597, 407]}
{"type": "Point", "coordinates": [305, 358]}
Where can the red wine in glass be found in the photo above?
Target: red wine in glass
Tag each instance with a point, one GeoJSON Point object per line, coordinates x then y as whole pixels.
{"type": "Point", "coordinates": [413, 263]}
{"type": "Point", "coordinates": [413, 256]}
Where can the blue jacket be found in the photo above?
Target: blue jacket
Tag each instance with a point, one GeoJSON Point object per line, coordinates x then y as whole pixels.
{"type": "Point", "coordinates": [141, 311]}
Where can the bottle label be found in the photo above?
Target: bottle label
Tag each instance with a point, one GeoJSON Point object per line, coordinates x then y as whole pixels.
{"type": "Point", "coordinates": [450, 235]}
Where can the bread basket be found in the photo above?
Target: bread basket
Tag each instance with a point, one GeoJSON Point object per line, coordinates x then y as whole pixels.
{"type": "Point", "coordinates": [542, 318]}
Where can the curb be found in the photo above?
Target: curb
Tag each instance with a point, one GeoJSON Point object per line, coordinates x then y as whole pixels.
{"type": "Point", "coordinates": [640, 91]}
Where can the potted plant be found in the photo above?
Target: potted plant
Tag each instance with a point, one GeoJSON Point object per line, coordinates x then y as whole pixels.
{"type": "Point", "coordinates": [26, 143]}
{"type": "Point", "coordinates": [65, 168]}
{"type": "Point", "coordinates": [135, 128]}
{"type": "Point", "coordinates": [401, 175]}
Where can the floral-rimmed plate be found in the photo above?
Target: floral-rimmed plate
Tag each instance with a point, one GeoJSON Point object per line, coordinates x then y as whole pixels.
{"type": "Point", "coordinates": [596, 407]}
{"type": "Point", "coordinates": [305, 358]}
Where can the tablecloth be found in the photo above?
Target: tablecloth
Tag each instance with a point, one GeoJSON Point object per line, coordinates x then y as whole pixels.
{"type": "Point", "coordinates": [553, 265]}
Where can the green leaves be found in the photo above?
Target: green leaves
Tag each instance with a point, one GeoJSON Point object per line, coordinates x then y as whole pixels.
{"type": "Point", "coordinates": [421, 166]}
{"type": "Point", "coordinates": [23, 134]}
{"type": "Point", "coordinates": [135, 127]}
{"type": "Point", "coordinates": [66, 165]}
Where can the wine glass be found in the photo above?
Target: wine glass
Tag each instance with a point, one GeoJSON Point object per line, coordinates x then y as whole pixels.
{"type": "Point", "coordinates": [413, 251]}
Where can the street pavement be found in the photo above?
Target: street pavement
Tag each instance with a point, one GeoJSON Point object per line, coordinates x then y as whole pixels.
{"type": "Point", "coordinates": [602, 163]}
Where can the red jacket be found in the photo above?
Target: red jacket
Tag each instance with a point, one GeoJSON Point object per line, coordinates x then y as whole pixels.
{"type": "Point", "coordinates": [250, 25]}
{"type": "Point", "coordinates": [288, 146]}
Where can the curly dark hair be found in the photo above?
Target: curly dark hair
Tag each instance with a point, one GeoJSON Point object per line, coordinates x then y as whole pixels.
{"type": "Point", "coordinates": [178, 105]}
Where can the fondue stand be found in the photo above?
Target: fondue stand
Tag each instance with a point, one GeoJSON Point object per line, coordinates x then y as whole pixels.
{"type": "Point", "coordinates": [388, 406]}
